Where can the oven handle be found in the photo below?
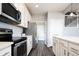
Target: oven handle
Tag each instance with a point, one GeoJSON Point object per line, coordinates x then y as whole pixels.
{"type": "Point", "coordinates": [18, 44]}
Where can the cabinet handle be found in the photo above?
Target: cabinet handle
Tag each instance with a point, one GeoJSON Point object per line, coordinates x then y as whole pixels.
{"type": "Point", "coordinates": [64, 52]}
{"type": "Point", "coordinates": [74, 49]}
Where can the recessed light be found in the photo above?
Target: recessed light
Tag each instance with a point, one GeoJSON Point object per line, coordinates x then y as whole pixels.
{"type": "Point", "coordinates": [36, 6]}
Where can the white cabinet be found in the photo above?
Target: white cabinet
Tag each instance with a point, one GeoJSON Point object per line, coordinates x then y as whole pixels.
{"type": "Point", "coordinates": [62, 47]}
{"type": "Point", "coordinates": [73, 49]}
{"type": "Point", "coordinates": [25, 15]}
{"type": "Point", "coordinates": [63, 51]}
{"type": "Point", "coordinates": [29, 44]}
{"type": "Point", "coordinates": [72, 54]}
{"type": "Point", "coordinates": [55, 46]}
{"type": "Point", "coordinates": [6, 51]}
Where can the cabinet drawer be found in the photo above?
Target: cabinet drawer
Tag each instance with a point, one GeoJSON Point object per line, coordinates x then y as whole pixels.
{"type": "Point", "coordinates": [63, 43]}
{"type": "Point", "coordinates": [72, 54]}
{"type": "Point", "coordinates": [6, 51]}
{"type": "Point", "coordinates": [74, 48]}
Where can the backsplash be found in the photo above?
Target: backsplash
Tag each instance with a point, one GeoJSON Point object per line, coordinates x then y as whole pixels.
{"type": "Point", "coordinates": [16, 30]}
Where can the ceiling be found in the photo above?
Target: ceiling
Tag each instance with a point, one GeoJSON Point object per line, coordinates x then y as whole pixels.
{"type": "Point", "coordinates": [45, 7]}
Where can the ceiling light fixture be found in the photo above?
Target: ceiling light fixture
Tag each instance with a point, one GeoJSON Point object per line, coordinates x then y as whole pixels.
{"type": "Point", "coordinates": [36, 6]}
{"type": "Point", "coordinates": [71, 12]}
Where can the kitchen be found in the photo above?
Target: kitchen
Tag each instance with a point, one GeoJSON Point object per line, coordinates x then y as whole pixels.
{"type": "Point", "coordinates": [20, 24]}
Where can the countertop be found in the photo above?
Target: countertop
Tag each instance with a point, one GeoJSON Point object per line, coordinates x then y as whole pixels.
{"type": "Point", "coordinates": [73, 39]}
{"type": "Point", "coordinates": [5, 44]}
{"type": "Point", "coordinates": [27, 36]}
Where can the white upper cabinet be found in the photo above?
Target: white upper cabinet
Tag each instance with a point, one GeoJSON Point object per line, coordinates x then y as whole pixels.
{"type": "Point", "coordinates": [25, 15]}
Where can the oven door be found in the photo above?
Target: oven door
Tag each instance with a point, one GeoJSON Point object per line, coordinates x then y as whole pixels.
{"type": "Point", "coordinates": [20, 49]}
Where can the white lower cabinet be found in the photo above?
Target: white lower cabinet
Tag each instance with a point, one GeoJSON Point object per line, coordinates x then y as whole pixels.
{"type": "Point", "coordinates": [55, 46]}
{"type": "Point", "coordinates": [59, 47]}
{"type": "Point", "coordinates": [6, 51]}
{"type": "Point", "coordinates": [62, 47]}
{"type": "Point", "coordinates": [73, 49]}
{"type": "Point", "coordinates": [72, 54]}
{"type": "Point", "coordinates": [63, 51]}
{"type": "Point", "coordinates": [29, 44]}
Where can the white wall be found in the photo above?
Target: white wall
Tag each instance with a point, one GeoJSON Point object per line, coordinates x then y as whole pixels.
{"type": "Point", "coordinates": [55, 25]}
{"type": "Point", "coordinates": [16, 30]}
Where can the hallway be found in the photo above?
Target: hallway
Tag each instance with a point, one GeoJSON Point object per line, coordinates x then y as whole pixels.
{"type": "Point", "coordinates": [41, 50]}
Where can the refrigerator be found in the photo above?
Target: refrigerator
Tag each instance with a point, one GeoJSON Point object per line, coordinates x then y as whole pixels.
{"type": "Point", "coordinates": [32, 30]}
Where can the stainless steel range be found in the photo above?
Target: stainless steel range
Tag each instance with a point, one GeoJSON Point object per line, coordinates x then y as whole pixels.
{"type": "Point", "coordinates": [19, 48]}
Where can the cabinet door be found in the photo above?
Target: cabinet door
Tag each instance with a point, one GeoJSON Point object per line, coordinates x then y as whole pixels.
{"type": "Point", "coordinates": [63, 47]}
{"type": "Point", "coordinates": [72, 54]}
{"type": "Point", "coordinates": [64, 51]}
{"type": "Point", "coordinates": [29, 44]}
{"type": "Point", "coordinates": [6, 51]}
{"type": "Point", "coordinates": [74, 48]}
{"type": "Point", "coordinates": [55, 46]}
{"type": "Point", "coordinates": [24, 18]}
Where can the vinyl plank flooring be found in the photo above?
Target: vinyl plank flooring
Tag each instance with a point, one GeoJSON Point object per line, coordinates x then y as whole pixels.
{"type": "Point", "coordinates": [41, 50]}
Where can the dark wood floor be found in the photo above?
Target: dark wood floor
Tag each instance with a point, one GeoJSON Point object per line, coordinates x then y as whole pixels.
{"type": "Point", "coordinates": [41, 50]}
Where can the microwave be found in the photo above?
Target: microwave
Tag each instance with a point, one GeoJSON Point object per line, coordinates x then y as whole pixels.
{"type": "Point", "coordinates": [9, 11]}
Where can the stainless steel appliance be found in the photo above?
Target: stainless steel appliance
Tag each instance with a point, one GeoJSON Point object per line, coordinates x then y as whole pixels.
{"type": "Point", "coordinates": [8, 10]}
{"type": "Point", "coordinates": [19, 48]}
{"type": "Point", "coordinates": [5, 34]}
{"type": "Point", "coordinates": [32, 30]}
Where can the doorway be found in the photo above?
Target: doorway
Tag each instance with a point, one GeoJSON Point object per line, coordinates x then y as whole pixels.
{"type": "Point", "coordinates": [40, 32]}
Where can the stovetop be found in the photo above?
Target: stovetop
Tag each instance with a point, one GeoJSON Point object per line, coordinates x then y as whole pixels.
{"type": "Point", "coordinates": [6, 36]}
{"type": "Point", "coordinates": [18, 39]}
{"type": "Point", "coordinates": [14, 39]}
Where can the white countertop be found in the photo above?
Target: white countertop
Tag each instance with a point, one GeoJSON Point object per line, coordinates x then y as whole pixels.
{"type": "Point", "coordinates": [5, 44]}
{"type": "Point", "coordinates": [26, 35]}
{"type": "Point", "coordinates": [69, 38]}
